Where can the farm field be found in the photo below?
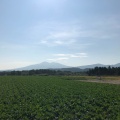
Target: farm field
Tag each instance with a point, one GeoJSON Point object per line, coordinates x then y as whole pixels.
{"type": "Point", "coordinates": [57, 98]}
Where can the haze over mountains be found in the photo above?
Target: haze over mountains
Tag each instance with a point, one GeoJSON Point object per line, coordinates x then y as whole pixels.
{"type": "Point", "coordinates": [44, 65]}
{"type": "Point", "coordinates": [54, 65]}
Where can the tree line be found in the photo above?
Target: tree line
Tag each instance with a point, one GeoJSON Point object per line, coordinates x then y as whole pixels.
{"type": "Point", "coordinates": [98, 71]}
{"type": "Point", "coordinates": [43, 72]}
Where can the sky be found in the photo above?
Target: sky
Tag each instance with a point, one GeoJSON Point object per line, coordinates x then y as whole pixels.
{"type": "Point", "coordinates": [71, 32]}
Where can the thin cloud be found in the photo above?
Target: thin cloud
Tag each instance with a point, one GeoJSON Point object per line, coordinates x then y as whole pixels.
{"type": "Point", "coordinates": [71, 34]}
{"type": "Point", "coordinates": [76, 55]}
{"type": "Point", "coordinates": [58, 59]}
{"type": "Point", "coordinates": [62, 55]}
{"type": "Point", "coordinates": [60, 38]}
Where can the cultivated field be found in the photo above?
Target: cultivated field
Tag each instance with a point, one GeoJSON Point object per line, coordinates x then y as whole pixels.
{"type": "Point", "coordinates": [57, 98]}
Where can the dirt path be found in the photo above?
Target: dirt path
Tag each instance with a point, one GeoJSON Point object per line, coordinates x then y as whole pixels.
{"type": "Point", "coordinates": [103, 81]}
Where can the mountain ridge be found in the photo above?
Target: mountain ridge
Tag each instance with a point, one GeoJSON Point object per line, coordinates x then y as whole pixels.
{"type": "Point", "coordinates": [58, 66]}
{"type": "Point", "coordinates": [98, 65]}
{"type": "Point", "coordinates": [44, 65]}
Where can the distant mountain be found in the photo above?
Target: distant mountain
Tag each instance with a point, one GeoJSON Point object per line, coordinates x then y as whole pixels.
{"type": "Point", "coordinates": [116, 65]}
{"type": "Point", "coordinates": [91, 66]}
{"type": "Point", "coordinates": [56, 66]}
{"type": "Point", "coordinates": [44, 65]}
{"type": "Point", "coordinates": [97, 65]}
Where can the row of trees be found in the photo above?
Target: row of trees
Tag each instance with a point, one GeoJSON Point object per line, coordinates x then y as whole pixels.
{"type": "Point", "coordinates": [39, 72]}
{"type": "Point", "coordinates": [97, 71]}
{"type": "Point", "coordinates": [112, 71]}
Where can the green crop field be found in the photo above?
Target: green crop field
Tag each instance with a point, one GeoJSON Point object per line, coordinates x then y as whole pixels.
{"type": "Point", "coordinates": [57, 98]}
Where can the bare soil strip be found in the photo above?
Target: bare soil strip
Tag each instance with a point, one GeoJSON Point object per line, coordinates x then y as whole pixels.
{"type": "Point", "coordinates": [103, 81]}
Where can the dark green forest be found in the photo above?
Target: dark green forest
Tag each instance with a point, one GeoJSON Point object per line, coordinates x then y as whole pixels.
{"type": "Point", "coordinates": [43, 72]}
{"type": "Point", "coordinates": [111, 71]}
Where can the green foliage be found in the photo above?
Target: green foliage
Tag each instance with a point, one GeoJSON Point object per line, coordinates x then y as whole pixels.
{"type": "Point", "coordinates": [55, 98]}
{"type": "Point", "coordinates": [111, 71]}
{"type": "Point", "coordinates": [43, 72]}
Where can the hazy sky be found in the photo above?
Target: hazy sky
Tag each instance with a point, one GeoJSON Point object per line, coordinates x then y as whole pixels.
{"type": "Point", "coordinates": [71, 32]}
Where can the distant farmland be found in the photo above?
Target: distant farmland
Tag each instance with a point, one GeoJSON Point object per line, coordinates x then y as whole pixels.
{"type": "Point", "coordinates": [57, 98]}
